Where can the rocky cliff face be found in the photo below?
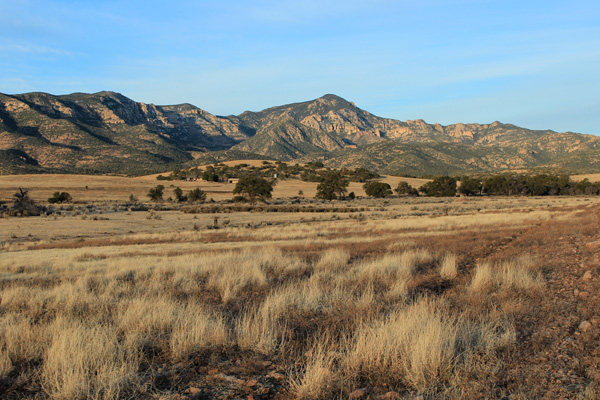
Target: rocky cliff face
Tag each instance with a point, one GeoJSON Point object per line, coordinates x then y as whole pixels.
{"type": "Point", "coordinates": [108, 132]}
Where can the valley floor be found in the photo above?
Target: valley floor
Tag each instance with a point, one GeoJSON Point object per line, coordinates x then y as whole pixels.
{"type": "Point", "coordinates": [402, 298]}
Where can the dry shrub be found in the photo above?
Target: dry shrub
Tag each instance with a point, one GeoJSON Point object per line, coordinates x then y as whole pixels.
{"type": "Point", "coordinates": [87, 362]}
{"type": "Point", "coordinates": [398, 291]}
{"type": "Point", "coordinates": [449, 266]}
{"type": "Point", "coordinates": [309, 307]}
{"type": "Point", "coordinates": [263, 328]}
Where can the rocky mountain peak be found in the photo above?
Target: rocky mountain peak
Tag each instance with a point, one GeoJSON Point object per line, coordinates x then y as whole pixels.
{"type": "Point", "coordinates": [108, 132]}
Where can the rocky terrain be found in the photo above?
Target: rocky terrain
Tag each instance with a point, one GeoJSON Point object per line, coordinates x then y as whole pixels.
{"type": "Point", "coordinates": [107, 132]}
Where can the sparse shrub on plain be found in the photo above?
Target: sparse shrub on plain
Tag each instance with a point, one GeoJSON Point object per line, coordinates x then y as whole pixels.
{"type": "Point", "coordinates": [179, 196]}
{"type": "Point", "coordinates": [23, 205]}
{"type": "Point", "coordinates": [196, 195]}
{"type": "Point", "coordinates": [156, 193]}
{"type": "Point", "coordinates": [337, 305]}
{"type": "Point", "coordinates": [60, 197]}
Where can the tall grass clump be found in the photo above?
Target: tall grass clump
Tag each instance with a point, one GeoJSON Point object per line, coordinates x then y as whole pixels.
{"type": "Point", "coordinates": [87, 363]}
{"type": "Point", "coordinates": [515, 274]}
{"type": "Point", "coordinates": [418, 347]}
{"type": "Point", "coordinates": [393, 266]}
{"type": "Point", "coordinates": [333, 260]}
{"type": "Point", "coordinates": [449, 266]}
{"type": "Point", "coordinates": [195, 330]}
{"type": "Point", "coordinates": [319, 377]}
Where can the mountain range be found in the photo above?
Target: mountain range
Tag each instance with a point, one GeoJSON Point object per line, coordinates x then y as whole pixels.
{"type": "Point", "coordinates": [107, 132]}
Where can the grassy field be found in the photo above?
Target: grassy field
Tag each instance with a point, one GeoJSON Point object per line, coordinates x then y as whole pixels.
{"type": "Point", "coordinates": [94, 188]}
{"type": "Point", "coordinates": [440, 298]}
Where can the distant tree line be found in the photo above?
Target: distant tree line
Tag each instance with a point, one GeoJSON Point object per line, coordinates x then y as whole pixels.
{"type": "Point", "coordinates": [510, 185]}
{"type": "Point", "coordinates": [494, 185]}
{"type": "Point", "coordinates": [156, 194]}
{"type": "Point", "coordinates": [314, 171]}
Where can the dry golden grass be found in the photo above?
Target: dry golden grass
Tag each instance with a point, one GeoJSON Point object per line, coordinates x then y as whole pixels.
{"type": "Point", "coordinates": [357, 301]}
{"type": "Point", "coordinates": [516, 274]}
{"type": "Point", "coordinates": [87, 362]}
{"type": "Point", "coordinates": [95, 188]}
{"type": "Point", "coordinates": [449, 267]}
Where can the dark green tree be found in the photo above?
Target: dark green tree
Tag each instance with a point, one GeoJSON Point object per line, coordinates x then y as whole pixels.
{"type": "Point", "coordinates": [196, 195]}
{"type": "Point", "coordinates": [210, 174]}
{"type": "Point", "coordinates": [23, 205]}
{"type": "Point", "coordinates": [333, 186]}
{"type": "Point", "coordinates": [60, 197]}
{"type": "Point", "coordinates": [404, 189]}
{"type": "Point", "coordinates": [254, 187]}
{"type": "Point", "coordinates": [179, 196]}
{"type": "Point", "coordinates": [444, 186]}
{"type": "Point", "coordinates": [377, 189]}
{"type": "Point", "coordinates": [362, 175]}
{"type": "Point", "coordinates": [470, 186]}
{"type": "Point", "coordinates": [156, 193]}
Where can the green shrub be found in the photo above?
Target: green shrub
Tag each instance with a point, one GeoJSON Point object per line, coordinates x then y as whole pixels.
{"type": "Point", "coordinates": [60, 197]}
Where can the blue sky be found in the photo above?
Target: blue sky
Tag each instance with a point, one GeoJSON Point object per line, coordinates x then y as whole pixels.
{"type": "Point", "coordinates": [532, 63]}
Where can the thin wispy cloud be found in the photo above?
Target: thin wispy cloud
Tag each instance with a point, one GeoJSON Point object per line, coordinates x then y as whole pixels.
{"type": "Point", "coordinates": [433, 59]}
{"type": "Point", "coordinates": [32, 49]}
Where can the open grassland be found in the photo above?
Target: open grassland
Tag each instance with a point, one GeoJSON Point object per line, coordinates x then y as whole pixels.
{"type": "Point", "coordinates": [439, 298]}
{"type": "Point", "coordinates": [94, 188]}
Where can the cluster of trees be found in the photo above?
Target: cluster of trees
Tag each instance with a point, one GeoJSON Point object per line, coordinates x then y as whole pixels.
{"type": "Point", "coordinates": [310, 172]}
{"type": "Point", "coordinates": [333, 184]}
{"type": "Point", "coordinates": [531, 185]}
{"type": "Point", "coordinates": [495, 185]}
{"type": "Point", "coordinates": [195, 195]}
{"type": "Point", "coordinates": [220, 172]}
{"type": "Point", "coordinates": [510, 185]}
